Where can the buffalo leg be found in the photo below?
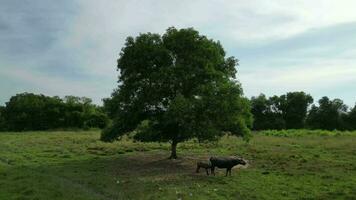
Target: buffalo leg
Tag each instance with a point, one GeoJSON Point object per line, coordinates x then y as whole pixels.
{"type": "Point", "coordinates": [213, 171]}
{"type": "Point", "coordinates": [228, 171]}
{"type": "Point", "coordinates": [207, 171]}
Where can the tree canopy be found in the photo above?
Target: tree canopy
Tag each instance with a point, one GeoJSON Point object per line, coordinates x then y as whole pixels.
{"type": "Point", "coordinates": [287, 111]}
{"type": "Point", "coordinates": [266, 114]}
{"type": "Point", "coordinates": [350, 119]}
{"type": "Point", "coordinates": [27, 111]}
{"type": "Point", "coordinates": [328, 115]}
{"type": "Point", "coordinates": [294, 108]}
{"type": "Point", "coordinates": [175, 87]}
{"type": "Point", "coordinates": [2, 119]}
{"type": "Point", "coordinates": [293, 111]}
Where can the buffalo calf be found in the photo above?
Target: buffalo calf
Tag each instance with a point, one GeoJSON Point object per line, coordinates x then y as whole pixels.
{"type": "Point", "coordinates": [205, 165]}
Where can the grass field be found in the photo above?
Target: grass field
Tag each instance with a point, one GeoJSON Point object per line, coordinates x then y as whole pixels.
{"type": "Point", "coordinates": [76, 165]}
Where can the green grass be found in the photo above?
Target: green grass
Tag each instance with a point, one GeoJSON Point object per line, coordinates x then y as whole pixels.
{"type": "Point", "coordinates": [296, 132]}
{"type": "Point", "coordinates": [76, 165]}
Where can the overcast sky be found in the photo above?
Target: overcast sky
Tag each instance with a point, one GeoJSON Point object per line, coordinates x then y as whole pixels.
{"type": "Point", "coordinates": [70, 47]}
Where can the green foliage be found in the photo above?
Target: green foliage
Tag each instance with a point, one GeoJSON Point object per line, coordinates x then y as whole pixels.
{"type": "Point", "coordinates": [175, 87]}
{"type": "Point", "coordinates": [294, 107]}
{"type": "Point", "coordinates": [280, 112]}
{"type": "Point", "coordinates": [350, 119]}
{"type": "Point", "coordinates": [265, 114]}
{"type": "Point", "coordinates": [29, 111]}
{"type": "Point", "coordinates": [97, 119]}
{"type": "Point", "coordinates": [2, 119]}
{"type": "Point", "coordinates": [290, 111]}
{"type": "Point", "coordinates": [328, 115]}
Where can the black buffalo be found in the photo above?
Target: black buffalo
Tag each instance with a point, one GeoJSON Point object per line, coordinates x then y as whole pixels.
{"type": "Point", "coordinates": [225, 162]}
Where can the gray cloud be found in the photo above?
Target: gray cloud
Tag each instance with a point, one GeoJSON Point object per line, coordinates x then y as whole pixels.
{"type": "Point", "coordinates": [32, 26]}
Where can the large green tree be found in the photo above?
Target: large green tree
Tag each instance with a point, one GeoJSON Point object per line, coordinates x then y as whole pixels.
{"type": "Point", "coordinates": [175, 87]}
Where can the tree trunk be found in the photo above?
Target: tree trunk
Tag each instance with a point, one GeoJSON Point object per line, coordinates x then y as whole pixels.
{"type": "Point", "coordinates": [174, 150]}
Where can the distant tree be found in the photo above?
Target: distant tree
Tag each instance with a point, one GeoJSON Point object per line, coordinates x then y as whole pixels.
{"type": "Point", "coordinates": [111, 105]}
{"type": "Point", "coordinates": [266, 115]}
{"type": "Point", "coordinates": [52, 113]}
{"type": "Point", "coordinates": [2, 119]}
{"type": "Point", "coordinates": [260, 109]}
{"type": "Point", "coordinates": [29, 111]}
{"type": "Point", "coordinates": [328, 115]}
{"type": "Point", "coordinates": [294, 108]}
{"type": "Point", "coordinates": [175, 87]}
{"type": "Point", "coordinates": [280, 112]}
{"type": "Point", "coordinates": [25, 112]}
{"type": "Point", "coordinates": [350, 119]}
{"type": "Point", "coordinates": [277, 115]}
{"type": "Point", "coordinates": [81, 113]}
{"type": "Point", "coordinates": [96, 120]}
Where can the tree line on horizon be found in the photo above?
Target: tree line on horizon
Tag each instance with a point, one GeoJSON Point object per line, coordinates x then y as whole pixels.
{"type": "Point", "coordinates": [28, 112]}
{"type": "Point", "coordinates": [295, 110]}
